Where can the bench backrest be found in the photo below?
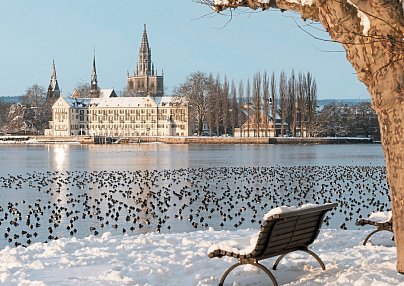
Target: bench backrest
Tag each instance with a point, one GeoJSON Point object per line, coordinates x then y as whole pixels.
{"type": "Point", "coordinates": [290, 231]}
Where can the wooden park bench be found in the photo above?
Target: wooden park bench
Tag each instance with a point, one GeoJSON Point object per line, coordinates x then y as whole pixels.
{"type": "Point", "coordinates": [380, 225]}
{"type": "Point", "coordinates": [280, 234]}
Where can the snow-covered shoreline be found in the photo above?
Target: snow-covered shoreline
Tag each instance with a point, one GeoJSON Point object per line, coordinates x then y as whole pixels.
{"type": "Point", "coordinates": [181, 259]}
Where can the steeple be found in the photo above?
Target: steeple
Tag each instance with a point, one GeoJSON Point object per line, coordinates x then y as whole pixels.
{"type": "Point", "coordinates": [53, 89]}
{"type": "Point", "coordinates": [144, 62]}
{"type": "Point", "coordinates": [145, 80]}
{"type": "Point", "coordinates": [94, 80]}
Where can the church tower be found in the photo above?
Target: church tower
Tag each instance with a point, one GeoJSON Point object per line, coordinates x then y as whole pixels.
{"type": "Point", "coordinates": [53, 88]}
{"type": "Point", "coordinates": [94, 92]}
{"type": "Point", "coordinates": [145, 80]}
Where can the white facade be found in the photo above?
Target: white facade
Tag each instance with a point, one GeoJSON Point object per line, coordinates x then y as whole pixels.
{"type": "Point", "coordinates": [120, 117]}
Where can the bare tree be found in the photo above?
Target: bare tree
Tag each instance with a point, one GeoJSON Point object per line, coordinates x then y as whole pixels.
{"type": "Point", "coordinates": [257, 103]}
{"type": "Point", "coordinates": [240, 106]}
{"type": "Point", "coordinates": [4, 108]}
{"type": "Point", "coordinates": [34, 96]}
{"type": "Point", "coordinates": [274, 102]}
{"type": "Point", "coordinates": [195, 90]}
{"type": "Point", "coordinates": [371, 32]}
{"type": "Point", "coordinates": [82, 90]}
{"type": "Point", "coordinates": [301, 102]}
{"type": "Point", "coordinates": [225, 105]}
{"type": "Point", "coordinates": [233, 109]}
{"type": "Point", "coordinates": [19, 120]}
{"type": "Point", "coordinates": [292, 103]}
{"type": "Point", "coordinates": [37, 109]}
{"type": "Point", "coordinates": [311, 100]}
{"type": "Point", "coordinates": [248, 94]}
{"type": "Point", "coordinates": [364, 121]}
{"type": "Point", "coordinates": [283, 100]}
{"type": "Point", "coordinates": [218, 105]}
{"type": "Point", "coordinates": [211, 103]}
{"type": "Point", "coordinates": [265, 109]}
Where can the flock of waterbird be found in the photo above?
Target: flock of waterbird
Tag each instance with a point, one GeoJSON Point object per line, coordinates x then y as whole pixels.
{"type": "Point", "coordinates": [45, 206]}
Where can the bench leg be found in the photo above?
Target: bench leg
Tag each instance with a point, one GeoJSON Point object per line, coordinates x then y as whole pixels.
{"type": "Point", "coordinates": [307, 251]}
{"type": "Point", "coordinates": [262, 267]}
{"type": "Point", "coordinates": [375, 231]}
{"type": "Point", "coordinates": [316, 257]}
{"type": "Point", "coordinates": [369, 235]}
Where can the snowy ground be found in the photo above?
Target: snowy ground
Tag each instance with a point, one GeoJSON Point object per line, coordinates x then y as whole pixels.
{"type": "Point", "coordinates": [181, 259]}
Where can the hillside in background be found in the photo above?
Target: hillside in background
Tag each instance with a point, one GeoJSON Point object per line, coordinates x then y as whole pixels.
{"type": "Point", "coordinates": [10, 99]}
{"type": "Point", "coordinates": [323, 102]}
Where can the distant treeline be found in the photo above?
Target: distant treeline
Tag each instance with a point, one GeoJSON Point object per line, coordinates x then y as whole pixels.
{"type": "Point", "coordinates": [10, 99]}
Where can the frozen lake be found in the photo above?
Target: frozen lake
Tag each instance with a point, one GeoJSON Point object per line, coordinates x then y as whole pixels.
{"type": "Point", "coordinates": [54, 191]}
{"type": "Point", "coordinates": [17, 159]}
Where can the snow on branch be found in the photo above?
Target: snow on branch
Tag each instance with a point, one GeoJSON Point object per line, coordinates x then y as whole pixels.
{"type": "Point", "coordinates": [306, 8]}
{"type": "Point", "coordinates": [365, 22]}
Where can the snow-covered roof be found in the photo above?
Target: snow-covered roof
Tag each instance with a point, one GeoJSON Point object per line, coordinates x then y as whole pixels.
{"type": "Point", "coordinates": [136, 101]}
{"type": "Point", "coordinates": [77, 102]}
{"type": "Point", "coordinates": [107, 93]}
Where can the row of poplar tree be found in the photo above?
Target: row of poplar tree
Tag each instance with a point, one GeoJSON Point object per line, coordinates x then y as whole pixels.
{"type": "Point", "coordinates": [285, 104]}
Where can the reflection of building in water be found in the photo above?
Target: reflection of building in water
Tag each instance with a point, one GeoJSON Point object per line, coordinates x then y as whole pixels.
{"type": "Point", "coordinates": [59, 157]}
{"type": "Point", "coordinates": [143, 157]}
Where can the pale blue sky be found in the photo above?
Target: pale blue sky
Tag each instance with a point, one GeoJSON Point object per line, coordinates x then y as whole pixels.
{"type": "Point", "coordinates": [182, 41]}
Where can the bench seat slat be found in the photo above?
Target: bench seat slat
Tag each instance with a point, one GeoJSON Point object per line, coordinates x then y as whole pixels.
{"type": "Point", "coordinates": [287, 236]}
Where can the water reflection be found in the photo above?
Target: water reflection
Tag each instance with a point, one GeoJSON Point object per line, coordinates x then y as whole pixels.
{"type": "Point", "coordinates": [17, 159]}
{"type": "Point", "coordinates": [58, 156]}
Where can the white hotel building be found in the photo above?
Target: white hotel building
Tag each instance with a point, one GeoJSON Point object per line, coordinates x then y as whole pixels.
{"type": "Point", "coordinates": [120, 117]}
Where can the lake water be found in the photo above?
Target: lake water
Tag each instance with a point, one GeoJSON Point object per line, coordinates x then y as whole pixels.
{"type": "Point", "coordinates": [17, 159]}
{"type": "Point", "coordinates": [64, 190]}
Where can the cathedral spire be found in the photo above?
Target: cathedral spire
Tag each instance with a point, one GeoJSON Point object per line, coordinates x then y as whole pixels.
{"type": "Point", "coordinates": [145, 80]}
{"type": "Point", "coordinates": [53, 89]}
{"type": "Point", "coordinates": [144, 55]}
{"type": "Point", "coordinates": [94, 80]}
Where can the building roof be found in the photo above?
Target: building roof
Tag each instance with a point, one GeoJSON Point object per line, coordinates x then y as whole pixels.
{"type": "Point", "coordinates": [114, 102]}
{"type": "Point", "coordinates": [106, 93]}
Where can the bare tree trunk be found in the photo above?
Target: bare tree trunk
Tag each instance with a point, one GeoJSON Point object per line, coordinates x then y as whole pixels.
{"type": "Point", "coordinates": [292, 102]}
{"type": "Point", "coordinates": [248, 107]}
{"type": "Point", "coordinates": [233, 111]}
{"type": "Point", "coordinates": [211, 103]}
{"type": "Point", "coordinates": [313, 104]}
{"type": "Point", "coordinates": [274, 102]}
{"type": "Point", "coordinates": [265, 113]}
{"type": "Point", "coordinates": [257, 103]}
{"type": "Point", "coordinates": [240, 107]}
{"type": "Point", "coordinates": [218, 108]}
{"type": "Point", "coordinates": [283, 100]}
{"type": "Point", "coordinates": [225, 104]}
{"type": "Point", "coordinates": [302, 104]}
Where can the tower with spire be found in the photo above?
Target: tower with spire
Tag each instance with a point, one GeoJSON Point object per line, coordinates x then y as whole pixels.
{"type": "Point", "coordinates": [53, 88]}
{"type": "Point", "coordinates": [94, 91]}
{"type": "Point", "coordinates": [145, 81]}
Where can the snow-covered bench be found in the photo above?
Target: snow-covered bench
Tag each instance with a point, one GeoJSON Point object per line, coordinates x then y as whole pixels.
{"type": "Point", "coordinates": [284, 230]}
{"type": "Point", "coordinates": [382, 220]}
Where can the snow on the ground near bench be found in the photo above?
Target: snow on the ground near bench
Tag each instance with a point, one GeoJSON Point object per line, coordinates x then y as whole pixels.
{"type": "Point", "coordinates": [181, 259]}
